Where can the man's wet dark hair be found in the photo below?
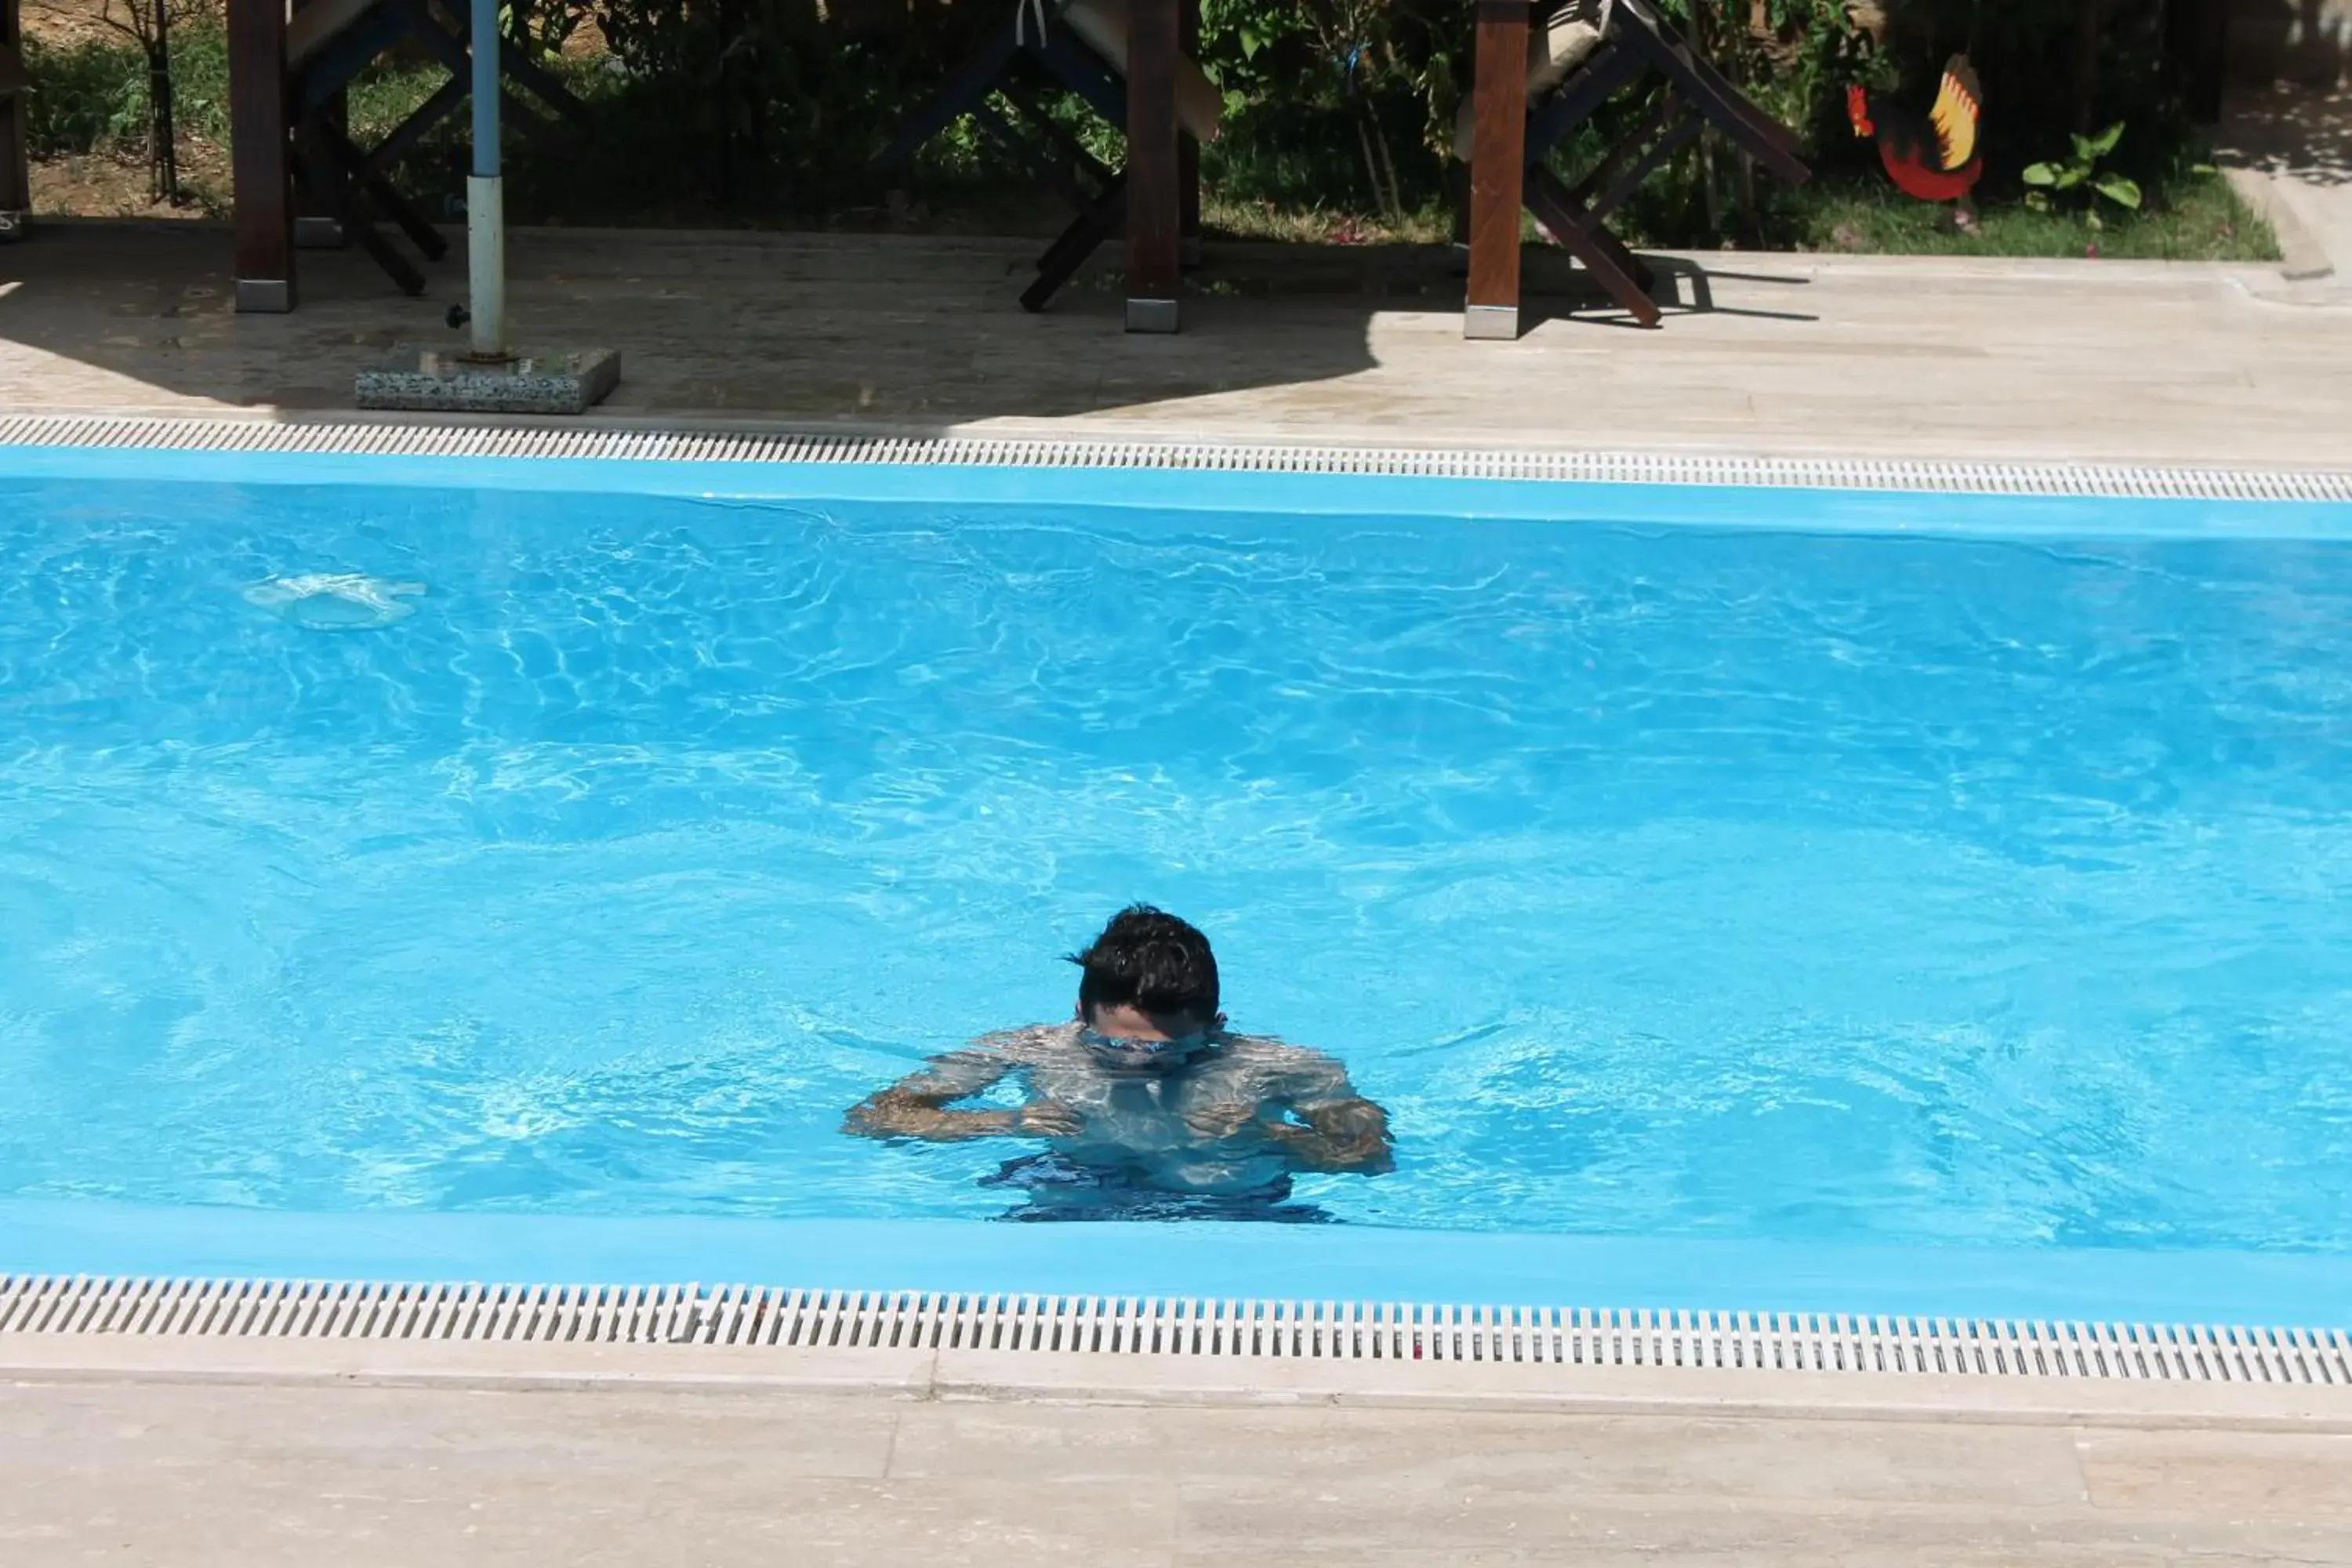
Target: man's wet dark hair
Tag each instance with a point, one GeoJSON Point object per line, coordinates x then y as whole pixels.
{"type": "Point", "coordinates": [1149, 960]}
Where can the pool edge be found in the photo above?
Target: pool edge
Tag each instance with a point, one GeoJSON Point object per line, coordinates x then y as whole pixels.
{"type": "Point", "coordinates": [162, 438]}
{"type": "Point", "coordinates": [767, 443]}
{"type": "Point", "coordinates": [1163, 1352]}
{"type": "Point", "coordinates": [1202, 1261]}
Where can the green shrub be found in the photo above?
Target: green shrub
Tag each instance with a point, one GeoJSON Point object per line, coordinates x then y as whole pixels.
{"type": "Point", "coordinates": [766, 110]}
{"type": "Point", "coordinates": [86, 97]}
{"type": "Point", "coordinates": [91, 96]}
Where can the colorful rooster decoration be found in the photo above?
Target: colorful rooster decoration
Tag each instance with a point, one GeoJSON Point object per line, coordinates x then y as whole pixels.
{"type": "Point", "coordinates": [1934, 159]}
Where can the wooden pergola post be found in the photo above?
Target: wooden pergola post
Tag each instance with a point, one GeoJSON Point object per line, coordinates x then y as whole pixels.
{"type": "Point", "coordinates": [1155, 203]}
{"type": "Point", "coordinates": [15, 142]}
{"type": "Point", "coordinates": [260, 156]}
{"type": "Point", "coordinates": [1188, 152]}
{"type": "Point", "coordinates": [1498, 169]}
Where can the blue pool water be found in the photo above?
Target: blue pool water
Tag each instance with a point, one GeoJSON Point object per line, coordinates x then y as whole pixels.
{"type": "Point", "coordinates": [592, 853]}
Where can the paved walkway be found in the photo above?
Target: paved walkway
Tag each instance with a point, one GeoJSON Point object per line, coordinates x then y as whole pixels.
{"type": "Point", "coordinates": [1772, 354]}
{"type": "Point", "coordinates": [2296, 143]}
{"type": "Point", "coordinates": [195, 1475]}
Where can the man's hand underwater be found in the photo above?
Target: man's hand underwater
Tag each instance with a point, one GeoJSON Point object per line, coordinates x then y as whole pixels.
{"type": "Point", "coordinates": [1048, 1118]}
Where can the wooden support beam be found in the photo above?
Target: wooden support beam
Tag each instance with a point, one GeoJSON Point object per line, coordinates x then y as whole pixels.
{"type": "Point", "coordinates": [1155, 218]}
{"type": "Point", "coordinates": [260, 161]}
{"type": "Point", "coordinates": [16, 137]}
{"type": "Point", "coordinates": [1188, 152]}
{"type": "Point", "coordinates": [1497, 153]}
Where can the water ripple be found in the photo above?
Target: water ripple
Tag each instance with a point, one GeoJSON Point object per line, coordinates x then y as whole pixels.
{"type": "Point", "coordinates": [1661, 882]}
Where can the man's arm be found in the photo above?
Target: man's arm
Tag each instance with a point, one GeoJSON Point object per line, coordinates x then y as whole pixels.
{"type": "Point", "coordinates": [1339, 1135]}
{"type": "Point", "coordinates": [916, 1106]}
{"type": "Point", "coordinates": [1338, 1129]}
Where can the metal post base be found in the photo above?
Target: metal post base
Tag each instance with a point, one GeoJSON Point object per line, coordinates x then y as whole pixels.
{"type": "Point", "coordinates": [1153, 315]}
{"type": "Point", "coordinates": [317, 233]}
{"type": "Point", "coordinates": [264, 295]}
{"type": "Point", "coordinates": [562, 383]}
{"type": "Point", "coordinates": [15, 226]}
{"type": "Point", "coordinates": [1495, 324]}
{"type": "Point", "coordinates": [486, 264]}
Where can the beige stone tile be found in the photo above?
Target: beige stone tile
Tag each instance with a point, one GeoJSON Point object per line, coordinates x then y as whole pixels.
{"type": "Point", "coordinates": [266, 1474]}
{"type": "Point", "coordinates": [65, 1427]}
{"type": "Point", "coordinates": [200, 1474]}
{"type": "Point", "coordinates": [1273, 1521]}
{"type": "Point", "coordinates": [302, 1517]}
{"type": "Point", "coordinates": [923, 1523]}
{"type": "Point", "coordinates": [2270, 1474]}
{"type": "Point", "coordinates": [1436, 1453]}
{"type": "Point", "coordinates": [1925, 356]}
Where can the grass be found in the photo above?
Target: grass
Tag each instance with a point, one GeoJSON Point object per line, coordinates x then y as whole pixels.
{"type": "Point", "coordinates": [89, 103]}
{"type": "Point", "coordinates": [2198, 219]}
{"type": "Point", "coordinates": [1227, 219]}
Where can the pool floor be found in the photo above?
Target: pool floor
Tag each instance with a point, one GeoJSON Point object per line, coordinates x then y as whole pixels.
{"type": "Point", "coordinates": [1761, 909]}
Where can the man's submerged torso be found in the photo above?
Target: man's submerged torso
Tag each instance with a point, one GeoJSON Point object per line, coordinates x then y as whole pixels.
{"type": "Point", "coordinates": [1138, 1128]}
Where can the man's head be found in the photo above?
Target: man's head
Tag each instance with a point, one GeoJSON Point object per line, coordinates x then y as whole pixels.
{"type": "Point", "coordinates": [1149, 979]}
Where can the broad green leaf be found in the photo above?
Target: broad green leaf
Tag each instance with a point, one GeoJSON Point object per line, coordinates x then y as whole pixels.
{"type": "Point", "coordinates": [2069, 178]}
{"type": "Point", "coordinates": [2038, 200]}
{"type": "Point", "coordinates": [1251, 43]}
{"type": "Point", "coordinates": [2118, 189]}
{"type": "Point", "coordinates": [2041, 174]}
{"type": "Point", "coordinates": [2203, 169]}
{"type": "Point", "coordinates": [2105, 142]}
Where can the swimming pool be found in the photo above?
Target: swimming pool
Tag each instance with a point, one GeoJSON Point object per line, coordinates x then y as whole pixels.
{"type": "Point", "coordinates": [1766, 878]}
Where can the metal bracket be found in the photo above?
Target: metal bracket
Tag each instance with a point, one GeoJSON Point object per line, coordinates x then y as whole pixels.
{"type": "Point", "coordinates": [1491, 323]}
{"type": "Point", "coordinates": [264, 295]}
{"type": "Point", "coordinates": [1153, 315]}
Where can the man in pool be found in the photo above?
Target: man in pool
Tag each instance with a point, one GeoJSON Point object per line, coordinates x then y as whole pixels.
{"type": "Point", "coordinates": [1148, 1106]}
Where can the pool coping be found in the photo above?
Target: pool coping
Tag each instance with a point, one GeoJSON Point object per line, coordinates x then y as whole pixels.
{"type": "Point", "coordinates": [707, 458]}
{"type": "Point", "coordinates": [1052, 1375]}
{"type": "Point", "coordinates": [754, 444]}
{"type": "Point", "coordinates": [967, 476]}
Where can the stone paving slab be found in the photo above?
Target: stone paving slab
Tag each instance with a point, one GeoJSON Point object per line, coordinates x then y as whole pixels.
{"type": "Point", "coordinates": [972, 1375]}
{"type": "Point", "coordinates": [908, 1457]}
{"type": "Point", "coordinates": [2289, 148]}
{"type": "Point", "coordinates": [1776, 355]}
{"type": "Point", "coordinates": [265, 1475]}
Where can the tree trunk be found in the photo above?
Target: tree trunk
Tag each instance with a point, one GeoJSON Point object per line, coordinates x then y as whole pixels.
{"type": "Point", "coordinates": [2086, 64]}
{"type": "Point", "coordinates": [162, 137]}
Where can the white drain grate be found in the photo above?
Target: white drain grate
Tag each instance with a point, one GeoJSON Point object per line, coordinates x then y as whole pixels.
{"type": "Point", "coordinates": [764, 1318]}
{"type": "Point", "coordinates": [404, 439]}
{"type": "Point", "coordinates": [779, 1319]}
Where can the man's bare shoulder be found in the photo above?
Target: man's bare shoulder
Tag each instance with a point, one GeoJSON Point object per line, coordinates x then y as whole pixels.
{"type": "Point", "coordinates": [1300, 1073]}
{"type": "Point", "coordinates": [1031, 1042]}
{"type": "Point", "coordinates": [971, 1069]}
{"type": "Point", "coordinates": [1275, 1051]}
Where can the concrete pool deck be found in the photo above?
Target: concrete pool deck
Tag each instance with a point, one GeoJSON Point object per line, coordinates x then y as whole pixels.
{"type": "Point", "coordinates": [1771, 355]}
{"type": "Point", "coordinates": [291, 1454]}
{"type": "Point", "coordinates": [396, 1454]}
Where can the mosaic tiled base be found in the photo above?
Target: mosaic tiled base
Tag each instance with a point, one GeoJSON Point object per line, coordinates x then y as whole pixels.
{"type": "Point", "coordinates": [434, 380]}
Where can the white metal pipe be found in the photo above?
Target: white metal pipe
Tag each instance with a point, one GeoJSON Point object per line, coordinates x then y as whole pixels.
{"type": "Point", "coordinates": [485, 218]}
